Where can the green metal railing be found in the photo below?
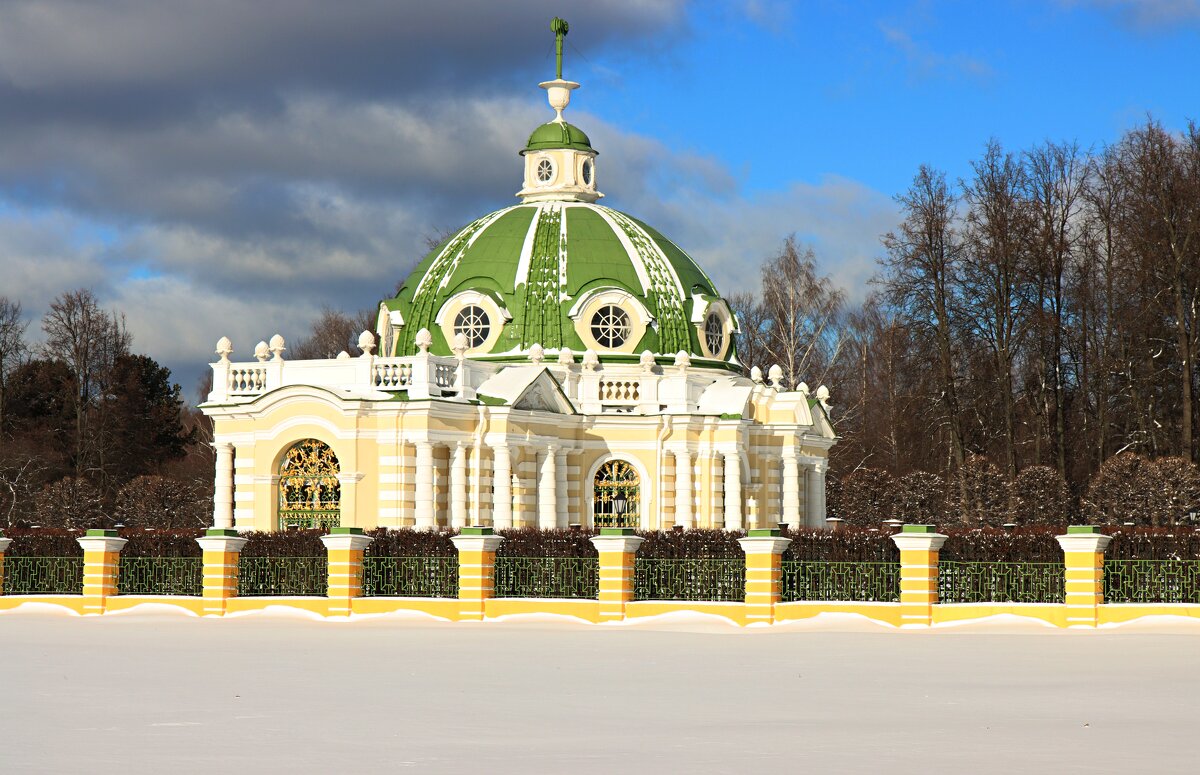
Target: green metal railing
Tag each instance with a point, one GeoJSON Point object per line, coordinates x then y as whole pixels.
{"type": "Point", "coordinates": [410, 577]}
{"type": "Point", "coordinates": [695, 579]}
{"type": "Point", "coordinates": [260, 576]}
{"type": "Point", "coordinates": [1001, 582]}
{"type": "Point", "coordinates": [562, 577]}
{"type": "Point", "coordinates": [160, 576]}
{"type": "Point", "coordinates": [844, 581]}
{"type": "Point", "coordinates": [1152, 581]}
{"type": "Point", "coordinates": [43, 575]}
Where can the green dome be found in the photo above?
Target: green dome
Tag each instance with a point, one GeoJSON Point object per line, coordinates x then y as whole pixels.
{"type": "Point", "coordinates": [558, 134]}
{"type": "Point", "coordinates": [543, 267]}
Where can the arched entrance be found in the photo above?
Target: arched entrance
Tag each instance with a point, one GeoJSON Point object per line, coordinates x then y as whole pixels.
{"type": "Point", "coordinates": [616, 499]}
{"type": "Point", "coordinates": [309, 491]}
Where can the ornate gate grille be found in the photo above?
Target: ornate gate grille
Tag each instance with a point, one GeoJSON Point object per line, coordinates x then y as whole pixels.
{"type": "Point", "coordinates": [309, 491]}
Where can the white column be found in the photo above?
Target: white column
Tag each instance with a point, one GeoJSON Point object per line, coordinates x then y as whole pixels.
{"type": "Point", "coordinates": [683, 489]}
{"type": "Point", "coordinates": [547, 496]}
{"type": "Point", "coordinates": [458, 485]}
{"type": "Point", "coordinates": [223, 490]}
{"type": "Point", "coordinates": [821, 468]}
{"type": "Point", "coordinates": [814, 495]}
{"type": "Point", "coordinates": [424, 513]}
{"type": "Point", "coordinates": [560, 467]}
{"type": "Point", "coordinates": [502, 510]}
{"type": "Point", "coordinates": [791, 488]}
{"type": "Point", "coordinates": [733, 491]}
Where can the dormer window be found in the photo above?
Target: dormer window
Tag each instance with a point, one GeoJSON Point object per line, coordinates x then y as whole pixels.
{"type": "Point", "coordinates": [610, 326]}
{"type": "Point", "coordinates": [545, 171]}
{"type": "Point", "coordinates": [714, 333]}
{"type": "Point", "coordinates": [473, 322]}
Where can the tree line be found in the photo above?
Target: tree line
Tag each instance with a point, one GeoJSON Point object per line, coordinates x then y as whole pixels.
{"type": "Point", "coordinates": [1036, 317]}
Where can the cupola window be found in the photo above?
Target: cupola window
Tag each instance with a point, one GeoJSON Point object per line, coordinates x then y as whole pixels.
{"type": "Point", "coordinates": [587, 172]}
{"type": "Point", "coordinates": [714, 333]}
{"type": "Point", "coordinates": [473, 322]}
{"type": "Point", "coordinates": [545, 171]}
{"type": "Point", "coordinates": [610, 326]}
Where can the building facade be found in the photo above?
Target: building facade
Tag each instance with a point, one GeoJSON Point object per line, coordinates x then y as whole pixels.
{"type": "Point", "coordinates": [552, 363]}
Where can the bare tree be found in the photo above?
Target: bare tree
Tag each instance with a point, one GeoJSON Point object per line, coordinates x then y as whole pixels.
{"type": "Point", "coordinates": [89, 340]}
{"type": "Point", "coordinates": [12, 345]}
{"type": "Point", "coordinates": [332, 332]}
{"type": "Point", "coordinates": [804, 310]}
{"type": "Point", "coordinates": [751, 339]}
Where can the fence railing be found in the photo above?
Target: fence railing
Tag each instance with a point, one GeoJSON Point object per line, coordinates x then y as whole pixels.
{"type": "Point", "coordinates": [718, 580]}
{"type": "Point", "coordinates": [160, 576]}
{"type": "Point", "coordinates": [1001, 582]}
{"type": "Point", "coordinates": [410, 577]}
{"type": "Point", "coordinates": [1152, 581]}
{"type": "Point", "coordinates": [261, 576]}
{"type": "Point", "coordinates": [840, 581]}
{"type": "Point", "coordinates": [561, 577]}
{"type": "Point", "coordinates": [43, 575]}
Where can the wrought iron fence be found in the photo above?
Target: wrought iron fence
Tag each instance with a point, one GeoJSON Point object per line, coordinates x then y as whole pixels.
{"type": "Point", "coordinates": [43, 575]}
{"type": "Point", "coordinates": [564, 577]}
{"type": "Point", "coordinates": [410, 576]}
{"type": "Point", "coordinates": [260, 576]}
{"type": "Point", "coordinates": [692, 579]}
{"type": "Point", "coordinates": [1000, 582]}
{"type": "Point", "coordinates": [1152, 581]}
{"type": "Point", "coordinates": [160, 576]}
{"type": "Point", "coordinates": [845, 581]}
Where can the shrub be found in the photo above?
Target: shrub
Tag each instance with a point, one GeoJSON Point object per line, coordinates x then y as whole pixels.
{"type": "Point", "coordinates": [288, 543]}
{"type": "Point", "coordinates": [161, 502]}
{"type": "Point", "coordinates": [920, 498]}
{"type": "Point", "coordinates": [868, 497]}
{"type": "Point", "coordinates": [1040, 497]}
{"type": "Point", "coordinates": [1131, 488]}
{"type": "Point", "coordinates": [1022, 544]}
{"type": "Point", "coordinates": [161, 543]}
{"type": "Point", "coordinates": [533, 542]}
{"type": "Point", "coordinates": [43, 542]}
{"type": "Point", "coordinates": [1153, 543]}
{"type": "Point", "coordinates": [69, 503]}
{"type": "Point", "coordinates": [690, 544]}
{"type": "Point", "coordinates": [849, 545]}
{"type": "Point", "coordinates": [410, 543]}
{"type": "Point", "coordinates": [985, 490]}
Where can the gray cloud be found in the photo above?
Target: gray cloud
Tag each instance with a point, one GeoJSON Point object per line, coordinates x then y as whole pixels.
{"type": "Point", "coordinates": [225, 169]}
{"type": "Point", "coordinates": [1147, 15]}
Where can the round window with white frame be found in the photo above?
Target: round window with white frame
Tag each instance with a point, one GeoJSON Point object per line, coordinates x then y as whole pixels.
{"type": "Point", "coordinates": [545, 171]}
{"type": "Point", "coordinates": [610, 326]}
{"type": "Point", "coordinates": [473, 322]}
{"type": "Point", "coordinates": [714, 334]}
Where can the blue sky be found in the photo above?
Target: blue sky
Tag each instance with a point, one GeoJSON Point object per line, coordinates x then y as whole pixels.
{"type": "Point", "coordinates": [228, 169]}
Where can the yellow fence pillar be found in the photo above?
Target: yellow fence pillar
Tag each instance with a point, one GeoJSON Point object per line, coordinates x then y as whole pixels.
{"type": "Point", "coordinates": [4, 544]}
{"type": "Point", "coordinates": [222, 548]}
{"type": "Point", "coordinates": [919, 546]}
{"type": "Point", "coordinates": [618, 548]}
{"type": "Point", "coordinates": [1083, 552]}
{"type": "Point", "coordinates": [101, 564]}
{"type": "Point", "coordinates": [345, 546]}
{"type": "Point", "coordinates": [764, 549]}
{"type": "Point", "coordinates": [476, 569]}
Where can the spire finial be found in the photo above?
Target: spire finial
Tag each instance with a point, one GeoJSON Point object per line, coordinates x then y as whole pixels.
{"type": "Point", "coordinates": [560, 28]}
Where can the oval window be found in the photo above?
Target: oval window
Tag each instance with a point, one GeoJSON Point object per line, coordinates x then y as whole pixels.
{"type": "Point", "coordinates": [587, 172]}
{"type": "Point", "coordinates": [545, 171]}
{"type": "Point", "coordinates": [610, 326]}
{"type": "Point", "coordinates": [714, 334]}
{"type": "Point", "coordinates": [473, 322]}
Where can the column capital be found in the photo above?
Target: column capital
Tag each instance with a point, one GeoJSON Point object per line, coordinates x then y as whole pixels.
{"type": "Point", "coordinates": [350, 538]}
{"type": "Point", "coordinates": [789, 452]}
{"type": "Point", "coordinates": [627, 544]}
{"type": "Point", "coordinates": [222, 446]}
{"type": "Point", "coordinates": [101, 541]}
{"type": "Point", "coordinates": [919, 538]}
{"type": "Point", "coordinates": [476, 539]}
{"type": "Point", "coordinates": [764, 544]}
{"type": "Point", "coordinates": [1083, 538]}
{"type": "Point", "coordinates": [222, 540]}
{"type": "Point", "coordinates": [4, 544]}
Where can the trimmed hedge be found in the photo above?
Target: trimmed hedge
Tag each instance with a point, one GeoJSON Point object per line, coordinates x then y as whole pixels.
{"type": "Point", "coordinates": [690, 544]}
{"type": "Point", "coordinates": [534, 542]}
{"type": "Point", "coordinates": [1153, 543]}
{"type": "Point", "coordinates": [1021, 544]}
{"type": "Point", "coordinates": [43, 542]}
{"type": "Point", "coordinates": [410, 543]}
{"type": "Point", "coordinates": [847, 545]}
{"type": "Point", "coordinates": [161, 543]}
{"type": "Point", "coordinates": [288, 543]}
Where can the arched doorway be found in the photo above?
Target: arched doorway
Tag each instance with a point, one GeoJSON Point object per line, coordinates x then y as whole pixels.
{"type": "Point", "coordinates": [616, 498]}
{"type": "Point", "coordinates": [309, 492]}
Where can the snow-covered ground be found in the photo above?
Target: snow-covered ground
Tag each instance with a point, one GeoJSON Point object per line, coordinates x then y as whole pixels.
{"type": "Point", "coordinates": [166, 693]}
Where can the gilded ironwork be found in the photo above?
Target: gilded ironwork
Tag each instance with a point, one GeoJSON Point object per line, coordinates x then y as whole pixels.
{"type": "Point", "coordinates": [617, 495]}
{"type": "Point", "coordinates": [694, 579]}
{"type": "Point", "coordinates": [559, 577]}
{"type": "Point", "coordinates": [160, 576]}
{"type": "Point", "coordinates": [410, 577]}
{"type": "Point", "coordinates": [1001, 582]}
{"type": "Point", "coordinates": [43, 576]}
{"type": "Point", "coordinates": [1152, 581]}
{"type": "Point", "coordinates": [267, 576]}
{"type": "Point", "coordinates": [840, 581]}
{"type": "Point", "coordinates": [309, 491]}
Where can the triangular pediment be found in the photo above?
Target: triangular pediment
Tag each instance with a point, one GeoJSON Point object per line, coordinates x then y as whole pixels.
{"type": "Point", "coordinates": [532, 388]}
